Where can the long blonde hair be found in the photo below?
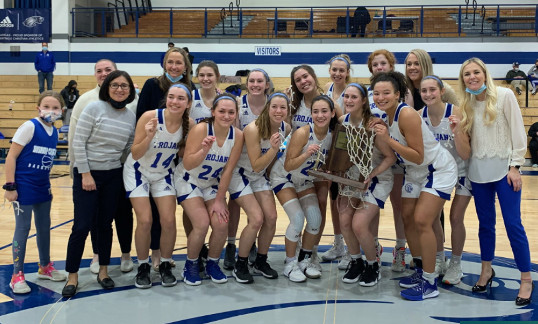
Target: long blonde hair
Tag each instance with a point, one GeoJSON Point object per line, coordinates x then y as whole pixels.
{"type": "Point", "coordinates": [468, 100]}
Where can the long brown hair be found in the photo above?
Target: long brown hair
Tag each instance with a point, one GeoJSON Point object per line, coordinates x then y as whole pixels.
{"type": "Point", "coordinates": [163, 81]}
{"type": "Point", "coordinates": [185, 120]}
{"type": "Point", "coordinates": [263, 122]}
{"type": "Point", "coordinates": [297, 95]}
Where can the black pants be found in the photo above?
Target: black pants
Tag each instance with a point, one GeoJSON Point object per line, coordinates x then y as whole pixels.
{"type": "Point", "coordinates": [97, 206]}
{"type": "Point", "coordinates": [123, 220]}
{"type": "Point", "coordinates": [533, 148]}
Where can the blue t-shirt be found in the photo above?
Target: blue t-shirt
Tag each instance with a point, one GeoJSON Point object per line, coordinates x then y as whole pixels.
{"type": "Point", "coordinates": [33, 166]}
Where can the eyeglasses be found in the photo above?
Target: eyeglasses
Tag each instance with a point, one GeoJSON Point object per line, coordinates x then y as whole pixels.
{"type": "Point", "coordinates": [123, 86]}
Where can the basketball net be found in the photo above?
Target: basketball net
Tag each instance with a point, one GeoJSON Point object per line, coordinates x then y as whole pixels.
{"type": "Point", "coordinates": [360, 147]}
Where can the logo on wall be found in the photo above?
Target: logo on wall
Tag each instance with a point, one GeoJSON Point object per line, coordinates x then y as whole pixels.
{"type": "Point", "coordinates": [6, 23]}
{"type": "Point", "coordinates": [33, 21]}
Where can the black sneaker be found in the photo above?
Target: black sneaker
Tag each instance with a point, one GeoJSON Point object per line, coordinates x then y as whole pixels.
{"type": "Point", "coordinates": [167, 278]}
{"type": "Point", "coordinates": [229, 257]}
{"type": "Point", "coordinates": [370, 276]}
{"type": "Point", "coordinates": [143, 277]}
{"type": "Point", "coordinates": [252, 254]}
{"type": "Point", "coordinates": [354, 270]}
{"type": "Point", "coordinates": [261, 266]}
{"type": "Point", "coordinates": [241, 273]}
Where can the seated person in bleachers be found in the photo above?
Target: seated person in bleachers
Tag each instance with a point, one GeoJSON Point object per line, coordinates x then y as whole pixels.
{"type": "Point", "coordinates": [533, 77]}
{"type": "Point", "coordinates": [516, 77]}
{"type": "Point", "coordinates": [533, 144]}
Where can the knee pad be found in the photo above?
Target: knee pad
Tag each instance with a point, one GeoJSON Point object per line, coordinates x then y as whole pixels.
{"type": "Point", "coordinates": [310, 206]}
{"type": "Point", "coordinates": [296, 216]}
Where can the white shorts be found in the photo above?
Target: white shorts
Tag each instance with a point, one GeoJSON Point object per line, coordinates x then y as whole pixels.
{"type": "Point", "coordinates": [139, 185]}
{"type": "Point", "coordinates": [463, 187]}
{"type": "Point", "coordinates": [379, 189]}
{"type": "Point", "coordinates": [280, 180]}
{"type": "Point", "coordinates": [438, 178]}
{"type": "Point", "coordinates": [186, 190]}
{"type": "Point", "coordinates": [239, 184]}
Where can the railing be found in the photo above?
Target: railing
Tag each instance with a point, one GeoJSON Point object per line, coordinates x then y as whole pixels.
{"type": "Point", "coordinates": [301, 22]}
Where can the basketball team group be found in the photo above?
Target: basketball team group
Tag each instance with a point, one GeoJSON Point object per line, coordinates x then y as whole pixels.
{"type": "Point", "coordinates": [215, 153]}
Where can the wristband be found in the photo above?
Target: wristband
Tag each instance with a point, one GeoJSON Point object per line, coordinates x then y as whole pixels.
{"type": "Point", "coordinates": [10, 186]}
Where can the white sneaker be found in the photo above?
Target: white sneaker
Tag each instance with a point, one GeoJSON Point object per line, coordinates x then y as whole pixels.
{"type": "Point", "coordinates": [315, 261]}
{"type": "Point", "coordinates": [126, 265]}
{"type": "Point", "coordinates": [336, 251]}
{"type": "Point", "coordinates": [308, 269]}
{"type": "Point", "coordinates": [398, 261]}
{"type": "Point", "coordinates": [18, 284]}
{"type": "Point", "coordinates": [94, 267]}
{"type": "Point", "coordinates": [50, 273]}
{"type": "Point", "coordinates": [344, 262]}
{"type": "Point", "coordinates": [292, 271]}
{"type": "Point", "coordinates": [440, 267]}
{"type": "Point", "coordinates": [453, 274]}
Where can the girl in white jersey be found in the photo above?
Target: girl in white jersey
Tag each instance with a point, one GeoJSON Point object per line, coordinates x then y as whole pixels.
{"type": "Point", "coordinates": [340, 73]}
{"type": "Point", "coordinates": [436, 114]}
{"type": "Point", "coordinates": [149, 170]}
{"type": "Point", "coordinates": [430, 176]}
{"type": "Point", "coordinates": [295, 189]}
{"type": "Point", "coordinates": [384, 61]}
{"type": "Point", "coordinates": [251, 189]}
{"type": "Point", "coordinates": [305, 87]}
{"type": "Point", "coordinates": [202, 178]}
{"type": "Point", "coordinates": [356, 223]}
{"type": "Point", "coordinates": [251, 105]}
{"type": "Point", "coordinates": [208, 76]}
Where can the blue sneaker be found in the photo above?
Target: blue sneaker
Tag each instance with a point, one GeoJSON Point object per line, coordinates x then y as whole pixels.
{"type": "Point", "coordinates": [422, 291]}
{"type": "Point", "coordinates": [412, 280]}
{"type": "Point", "coordinates": [191, 276]}
{"type": "Point", "coordinates": [213, 271]}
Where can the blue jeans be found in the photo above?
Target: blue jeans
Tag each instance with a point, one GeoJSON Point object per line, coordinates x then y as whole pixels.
{"type": "Point", "coordinates": [41, 77]}
{"type": "Point", "coordinates": [22, 228]}
{"type": "Point", "coordinates": [510, 202]}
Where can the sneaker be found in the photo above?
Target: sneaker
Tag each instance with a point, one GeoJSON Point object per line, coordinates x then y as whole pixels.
{"type": "Point", "coordinates": [212, 269]}
{"type": "Point", "coordinates": [315, 261]}
{"type": "Point", "coordinates": [354, 270]}
{"type": "Point", "coordinates": [309, 270]}
{"type": "Point", "coordinates": [94, 267]}
{"type": "Point", "coordinates": [18, 284]}
{"type": "Point", "coordinates": [370, 275]}
{"type": "Point", "coordinates": [191, 275]}
{"type": "Point", "coordinates": [440, 267]}
{"type": "Point", "coordinates": [262, 267]}
{"type": "Point", "coordinates": [453, 274]}
{"type": "Point", "coordinates": [533, 92]}
{"type": "Point", "coordinates": [518, 90]}
{"type": "Point", "coordinates": [143, 277]}
{"type": "Point", "coordinates": [229, 257]}
{"type": "Point", "coordinates": [423, 290]}
{"type": "Point", "coordinates": [398, 260]}
{"type": "Point", "coordinates": [378, 252]}
{"type": "Point", "coordinates": [241, 273]}
{"type": "Point", "coordinates": [336, 251]}
{"type": "Point", "coordinates": [344, 262]}
{"type": "Point", "coordinates": [412, 280]}
{"type": "Point", "coordinates": [292, 272]}
{"type": "Point", "coordinates": [167, 278]}
{"type": "Point", "coordinates": [126, 265]}
{"type": "Point", "coordinates": [50, 273]}
{"type": "Point", "coordinates": [252, 254]}
{"type": "Point", "coordinates": [535, 166]}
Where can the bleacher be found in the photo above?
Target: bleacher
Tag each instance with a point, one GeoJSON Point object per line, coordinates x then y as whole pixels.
{"type": "Point", "coordinates": [22, 91]}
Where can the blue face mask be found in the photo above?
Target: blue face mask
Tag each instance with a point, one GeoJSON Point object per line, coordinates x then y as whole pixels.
{"type": "Point", "coordinates": [476, 92]}
{"type": "Point", "coordinates": [174, 80]}
{"type": "Point", "coordinates": [49, 116]}
{"type": "Point", "coordinates": [44, 48]}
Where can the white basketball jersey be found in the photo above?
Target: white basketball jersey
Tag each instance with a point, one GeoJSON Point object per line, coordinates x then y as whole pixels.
{"type": "Point", "coordinates": [246, 116]}
{"type": "Point", "coordinates": [302, 117]}
{"type": "Point", "coordinates": [339, 100]}
{"type": "Point", "coordinates": [159, 158]}
{"type": "Point", "coordinates": [199, 111]}
{"type": "Point", "coordinates": [301, 173]}
{"type": "Point", "coordinates": [209, 171]}
{"type": "Point", "coordinates": [373, 108]}
{"type": "Point", "coordinates": [431, 145]}
{"type": "Point", "coordinates": [444, 135]}
{"type": "Point", "coordinates": [265, 145]}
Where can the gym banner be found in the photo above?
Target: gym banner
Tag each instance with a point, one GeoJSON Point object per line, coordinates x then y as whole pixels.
{"type": "Point", "coordinates": [24, 25]}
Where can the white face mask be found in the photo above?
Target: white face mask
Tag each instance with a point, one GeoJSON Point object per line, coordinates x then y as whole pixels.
{"type": "Point", "coordinates": [516, 69]}
{"type": "Point", "coordinates": [49, 116]}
